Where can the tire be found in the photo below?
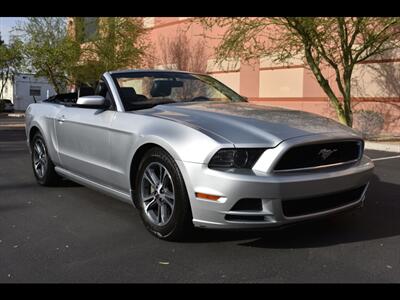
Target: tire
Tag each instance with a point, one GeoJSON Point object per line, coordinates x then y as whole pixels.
{"type": "Point", "coordinates": [42, 166]}
{"type": "Point", "coordinates": [166, 217]}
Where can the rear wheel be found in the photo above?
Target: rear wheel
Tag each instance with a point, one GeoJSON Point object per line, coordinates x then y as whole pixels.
{"type": "Point", "coordinates": [162, 198]}
{"type": "Point", "coordinates": [43, 167]}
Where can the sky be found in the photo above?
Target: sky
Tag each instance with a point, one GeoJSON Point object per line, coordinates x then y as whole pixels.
{"type": "Point", "coordinates": [6, 25]}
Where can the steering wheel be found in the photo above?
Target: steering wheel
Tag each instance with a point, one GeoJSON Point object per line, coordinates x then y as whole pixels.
{"type": "Point", "coordinates": [200, 98]}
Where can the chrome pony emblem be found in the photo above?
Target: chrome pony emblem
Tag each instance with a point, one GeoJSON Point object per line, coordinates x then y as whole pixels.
{"type": "Point", "coordinates": [325, 153]}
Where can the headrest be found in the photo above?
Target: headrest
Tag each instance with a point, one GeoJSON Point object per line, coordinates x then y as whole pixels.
{"type": "Point", "coordinates": [162, 88]}
{"type": "Point", "coordinates": [101, 89]}
{"type": "Point", "coordinates": [85, 91]}
{"type": "Point", "coordinates": [128, 92]}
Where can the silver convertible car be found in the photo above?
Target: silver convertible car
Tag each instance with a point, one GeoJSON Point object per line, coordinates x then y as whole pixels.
{"type": "Point", "coordinates": [188, 151]}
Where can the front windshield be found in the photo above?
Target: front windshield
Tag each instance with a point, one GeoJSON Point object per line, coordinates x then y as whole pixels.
{"type": "Point", "coordinates": [139, 90]}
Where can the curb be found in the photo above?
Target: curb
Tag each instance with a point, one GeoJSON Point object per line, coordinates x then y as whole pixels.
{"type": "Point", "coordinates": [382, 146]}
{"type": "Point", "coordinates": [16, 115]}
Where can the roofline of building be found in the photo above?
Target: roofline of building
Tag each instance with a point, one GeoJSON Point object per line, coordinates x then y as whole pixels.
{"type": "Point", "coordinates": [25, 73]}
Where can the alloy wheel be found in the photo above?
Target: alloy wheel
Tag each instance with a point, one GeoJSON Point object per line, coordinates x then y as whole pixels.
{"type": "Point", "coordinates": [39, 158]}
{"type": "Point", "coordinates": [157, 194]}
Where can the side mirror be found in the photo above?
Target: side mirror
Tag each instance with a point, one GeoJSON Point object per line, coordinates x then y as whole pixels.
{"type": "Point", "coordinates": [92, 101]}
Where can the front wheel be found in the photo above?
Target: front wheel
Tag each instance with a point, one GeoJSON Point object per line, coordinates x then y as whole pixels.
{"type": "Point", "coordinates": [43, 167]}
{"type": "Point", "coordinates": [162, 198]}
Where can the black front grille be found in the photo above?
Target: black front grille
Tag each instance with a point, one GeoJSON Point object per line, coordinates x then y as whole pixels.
{"type": "Point", "coordinates": [298, 207]}
{"type": "Point", "coordinates": [315, 155]}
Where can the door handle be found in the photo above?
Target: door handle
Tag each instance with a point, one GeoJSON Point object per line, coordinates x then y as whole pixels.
{"type": "Point", "coordinates": [61, 119]}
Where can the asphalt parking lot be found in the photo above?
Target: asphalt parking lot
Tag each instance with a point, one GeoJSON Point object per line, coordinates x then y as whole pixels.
{"type": "Point", "coordinates": [73, 234]}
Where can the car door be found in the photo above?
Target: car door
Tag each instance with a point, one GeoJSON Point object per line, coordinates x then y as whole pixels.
{"type": "Point", "coordinates": [83, 136]}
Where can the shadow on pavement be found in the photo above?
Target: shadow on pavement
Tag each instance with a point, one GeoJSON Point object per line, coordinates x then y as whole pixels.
{"type": "Point", "coordinates": [68, 183]}
{"type": "Point", "coordinates": [12, 134]}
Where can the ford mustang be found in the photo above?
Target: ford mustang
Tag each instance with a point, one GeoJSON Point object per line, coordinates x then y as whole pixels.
{"type": "Point", "coordinates": [187, 151]}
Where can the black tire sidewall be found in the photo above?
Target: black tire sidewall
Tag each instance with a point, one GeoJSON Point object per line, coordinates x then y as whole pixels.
{"type": "Point", "coordinates": [181, 215]}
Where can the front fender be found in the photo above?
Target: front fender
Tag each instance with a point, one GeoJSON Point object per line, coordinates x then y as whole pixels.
{"type": "Point", "coordinates": [41, 116]}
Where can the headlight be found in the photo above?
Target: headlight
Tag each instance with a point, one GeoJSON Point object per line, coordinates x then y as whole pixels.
{"type": "Point", "coordinates": [235, 158]}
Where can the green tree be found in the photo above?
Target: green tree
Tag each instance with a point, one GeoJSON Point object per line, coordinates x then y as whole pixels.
{"type": "Point", "coordinates": [49, 50]}
{"type": "Point", "coordinates": [11, 60]}
{"type": "Point", "coordinates": [118, 43]}
{"type": "Point", "coordinates": [321, 42]}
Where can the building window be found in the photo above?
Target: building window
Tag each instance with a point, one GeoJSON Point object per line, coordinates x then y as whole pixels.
{"type": "Point", "coordinates": [34, 90]}
{"type": "Point", "coordinates": [86, 28]}
{"type": "Point", "coordinates": [90, 25]}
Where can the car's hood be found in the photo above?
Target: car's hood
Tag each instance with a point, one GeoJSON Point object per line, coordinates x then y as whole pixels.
{"type": "Point", "coordinates": [244, 123]}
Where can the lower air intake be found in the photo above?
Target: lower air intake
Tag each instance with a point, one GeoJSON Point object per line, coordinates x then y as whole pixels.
{"type": "Point", "coordinates": [299, 207]}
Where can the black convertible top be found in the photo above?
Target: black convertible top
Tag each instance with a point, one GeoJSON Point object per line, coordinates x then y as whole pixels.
{"type": "Point", "coordinates": [63, 98]}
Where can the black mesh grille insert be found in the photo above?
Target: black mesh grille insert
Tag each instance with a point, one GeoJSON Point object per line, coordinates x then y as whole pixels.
{"type": "Point", "coordinates": [248, 204]}
{"type": "Point", "coordinates": [298, 207]}
{"type": "Point", "coordinates": [314, 155]}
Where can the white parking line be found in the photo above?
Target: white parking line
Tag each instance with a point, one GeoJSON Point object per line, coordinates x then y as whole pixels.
{"type": "Point", "coordinates": [384, 158]}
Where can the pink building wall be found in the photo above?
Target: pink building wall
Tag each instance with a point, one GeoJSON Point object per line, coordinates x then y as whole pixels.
{"type": "Point", "coordinates": [250, 80]}
{"type": "Point", "coordinates": [293, 87]}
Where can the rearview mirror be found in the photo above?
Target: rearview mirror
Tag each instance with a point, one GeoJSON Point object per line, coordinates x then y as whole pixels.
{"type": "Point", "coordinates": [91, 101]}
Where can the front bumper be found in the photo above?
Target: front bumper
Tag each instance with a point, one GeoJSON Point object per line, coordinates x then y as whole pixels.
{"type": "Point", "coordinates": [271, 188]}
